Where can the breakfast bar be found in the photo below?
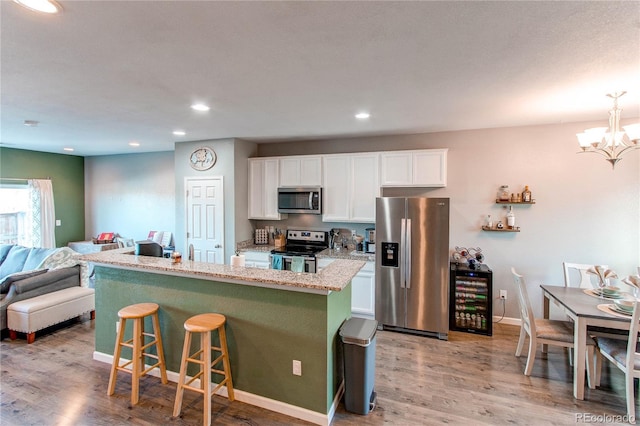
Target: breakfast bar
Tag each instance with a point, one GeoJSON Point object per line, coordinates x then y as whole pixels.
{"type": "Point", "coordinates": [273, 318]}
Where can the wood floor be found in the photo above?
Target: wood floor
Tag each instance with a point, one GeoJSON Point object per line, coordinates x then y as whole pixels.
{"type": "Point", "coordinates": [470, 380]}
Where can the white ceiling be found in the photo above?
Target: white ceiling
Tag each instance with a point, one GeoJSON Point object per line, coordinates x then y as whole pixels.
{"type": "Point", "coordinates": [104, 73]}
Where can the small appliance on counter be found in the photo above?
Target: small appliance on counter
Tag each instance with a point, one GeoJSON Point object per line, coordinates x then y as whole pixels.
{"type": "Point", "coordinates": [370, 240]}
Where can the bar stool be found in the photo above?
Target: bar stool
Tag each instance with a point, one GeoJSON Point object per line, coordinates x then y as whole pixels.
{"type": "Point", "coordinates": [137, 313]}
{"type": "Point", "coordinates": [204, 324]}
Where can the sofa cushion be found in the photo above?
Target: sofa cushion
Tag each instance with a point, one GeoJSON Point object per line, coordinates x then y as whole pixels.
{"type": "Point", "coordinates": [4, 251]}
{"type": "Point", "coordinates": [35, 258]}
{"type": "Point", "coordinates": [10, 279]}
{"type": "Point", "coordinates": [14, 262]}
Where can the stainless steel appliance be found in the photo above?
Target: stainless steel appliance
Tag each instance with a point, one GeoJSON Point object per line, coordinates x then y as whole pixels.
{"type": "Point", "coordinates": [300, 200]}
{"type": "Point", "coordinates": [302, 243]}
{"type": "Point", "coordinates": [370, 240]}
{"type": "Point", "coordinates": [412, 265]}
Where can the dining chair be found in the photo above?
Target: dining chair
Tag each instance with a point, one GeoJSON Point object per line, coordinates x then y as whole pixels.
{"type": "Point", "coordinates": [585, 279]}
{"type": "Point", "coordinates": [626, 356]}
{"type": "Point", "coordinates": [546, 332]}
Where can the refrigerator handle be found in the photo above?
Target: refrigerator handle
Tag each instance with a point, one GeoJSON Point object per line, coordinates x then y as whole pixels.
{"type": "Point", "coordinates": [407, 256]}
{"type": "Point", "coordinates": [403, 229]}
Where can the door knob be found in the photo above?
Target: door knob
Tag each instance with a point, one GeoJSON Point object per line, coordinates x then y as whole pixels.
{"type": "Point", "coordinates": [218, 246]}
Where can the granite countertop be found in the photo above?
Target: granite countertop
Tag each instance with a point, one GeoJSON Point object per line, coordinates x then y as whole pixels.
{"type": "Point", "coordinates": [346, 254]}
{"type": "Point", "coordinates": [334, 277]}
{"type": "Point", "coordinates": [326, 254]}
{"type": "Point", "coordinates": [263, 248]}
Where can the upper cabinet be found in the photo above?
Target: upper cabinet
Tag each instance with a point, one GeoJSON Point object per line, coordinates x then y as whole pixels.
{"type": "Point", "coordinates": [301, 171]}
{"type": "Point", "coordinates": [420, 168]}
{"type": "Point", "coordinates": [350, 187]}
{"type": "Point", "coordinates": [263, 188]}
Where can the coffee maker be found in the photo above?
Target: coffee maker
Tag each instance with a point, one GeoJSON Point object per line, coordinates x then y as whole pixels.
{"type": "Point", "coordinates": [370, 240]}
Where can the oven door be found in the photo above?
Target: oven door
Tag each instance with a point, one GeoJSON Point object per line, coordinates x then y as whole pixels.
{"type": "Point", "coordinates": [309, 264]}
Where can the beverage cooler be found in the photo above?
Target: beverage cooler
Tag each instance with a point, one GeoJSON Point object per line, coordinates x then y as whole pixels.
{"type": "Point", "coordinates": [470, 308]}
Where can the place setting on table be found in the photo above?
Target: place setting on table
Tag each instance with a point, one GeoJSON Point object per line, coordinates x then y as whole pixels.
{"type": "Point", "coordinates": [623, 301]}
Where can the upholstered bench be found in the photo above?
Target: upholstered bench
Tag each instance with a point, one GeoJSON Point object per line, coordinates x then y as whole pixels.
{"type": "Point", "coordinates": [34, 314]}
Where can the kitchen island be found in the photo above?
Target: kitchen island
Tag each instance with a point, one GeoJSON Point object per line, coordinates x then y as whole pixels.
{"type": "Point", "coordinates": [273, 318]}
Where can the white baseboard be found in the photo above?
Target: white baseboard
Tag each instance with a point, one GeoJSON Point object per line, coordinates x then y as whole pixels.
{"type": "Point", "coordinates": [507, 320]}
{"type": "Point", "coordinates": [252, 399]}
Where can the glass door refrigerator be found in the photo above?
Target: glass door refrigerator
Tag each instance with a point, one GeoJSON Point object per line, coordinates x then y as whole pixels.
{"type": "Point", "coordinates": [470, 308]}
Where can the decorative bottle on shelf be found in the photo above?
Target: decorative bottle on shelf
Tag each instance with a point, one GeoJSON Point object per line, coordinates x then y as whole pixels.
{"type": "Point", "coordinates": [511, 218]}
{"type": "Point", "coordinates": [526, 195]}
{"type": "Point", "coordinates": [489, 222]}
{"type": "Point", "coordinates": [503, 193]}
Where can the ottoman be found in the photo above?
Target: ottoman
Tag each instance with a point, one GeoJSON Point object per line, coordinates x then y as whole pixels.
{"type": "Point", "coordinates": [30, 315]}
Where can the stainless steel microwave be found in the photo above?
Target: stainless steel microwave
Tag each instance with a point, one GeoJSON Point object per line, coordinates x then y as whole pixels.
{"type": "Point", "coordinates": [300, 200]}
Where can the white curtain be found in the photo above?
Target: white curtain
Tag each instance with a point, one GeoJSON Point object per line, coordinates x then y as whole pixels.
{"type": "Point", "coordinates": [43, 213]}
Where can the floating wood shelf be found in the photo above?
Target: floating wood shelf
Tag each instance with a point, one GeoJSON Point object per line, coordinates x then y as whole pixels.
{"type": "Point", "coordinates": [515, 202]}
{"type": "Point", "coordinates": [486, 228]}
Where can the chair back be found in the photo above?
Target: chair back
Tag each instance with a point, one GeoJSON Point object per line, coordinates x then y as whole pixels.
{"type": "Point", "coordinates": [633, 356]}
{"type": "Point", "coordinates": [586, 280]}
{"type": "Point", "coordinates": [526, 313]}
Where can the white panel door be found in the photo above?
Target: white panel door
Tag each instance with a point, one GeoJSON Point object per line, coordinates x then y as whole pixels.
{"type": "Point", "coordinates": [205, 219]}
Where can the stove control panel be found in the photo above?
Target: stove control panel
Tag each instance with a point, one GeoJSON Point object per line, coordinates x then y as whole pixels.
{"type": "Point", "coordinates": [309, 236]}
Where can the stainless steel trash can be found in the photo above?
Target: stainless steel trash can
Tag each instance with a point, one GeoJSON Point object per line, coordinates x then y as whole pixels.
{"type": "Point", "coordinates": [359, 349]}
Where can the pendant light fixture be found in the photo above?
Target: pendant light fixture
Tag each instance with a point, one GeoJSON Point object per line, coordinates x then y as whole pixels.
{"type": "Point", "coordinates": [611, 142]}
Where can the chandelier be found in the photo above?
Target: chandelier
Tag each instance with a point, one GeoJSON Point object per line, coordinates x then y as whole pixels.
{"type": "Point", "coordinates": [611, 142]}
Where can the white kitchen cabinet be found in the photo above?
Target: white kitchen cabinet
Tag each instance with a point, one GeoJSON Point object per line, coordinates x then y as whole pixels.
{"type": "Point", "coordinates": [263, 188]}
{"type": "Point", "coordinates": [301, 171]}
{"type": "Point", "coordinates": [420, 168]}
{"type": "Point", "coordinates": [350, 187]}
{"type": "Point", "coordinates": [363, 289]}
{"type": "Point", "coordinates": [363, 292]}
{"type": "Point", "coordinates": [256, 259]}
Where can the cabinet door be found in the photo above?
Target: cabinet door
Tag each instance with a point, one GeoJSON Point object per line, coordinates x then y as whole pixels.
{"type": "Point", "coordinates": [430, 168]}
{"type": "Point", "coordinates": [301, 171]}
{"type": "Point", "coordinates": [363, 290]}
{"type": "Point", "coordinates": [263, 189]}
{"type": "Point", "coordinates": [336, 188]}
{"type": "Point", "coordinates": [256, 188]}
{"type": "Point", "coordinates": [311, 171]}
{"type": "Point", "coordinates": [290, 171]}
{"type": "Point", "coordinates": [365, 188]}
{"type": "Point", "coordinates": [396, 169]}
{"type": "Point", "coordinates": [271, 181]}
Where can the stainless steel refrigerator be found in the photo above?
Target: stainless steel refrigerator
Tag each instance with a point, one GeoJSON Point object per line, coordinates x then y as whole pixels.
{"type": "Point", "coordinates": [412, 265]}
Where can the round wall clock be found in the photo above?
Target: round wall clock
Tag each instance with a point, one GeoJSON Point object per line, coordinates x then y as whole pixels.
{"type": "Point", "coordinates": [202, 158]}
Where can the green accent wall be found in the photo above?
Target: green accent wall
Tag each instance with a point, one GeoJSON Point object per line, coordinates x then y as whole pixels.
{"type": "Point", "coordinates": [266, 330]}
{"type": "Point", "coordinates": [67, 177]}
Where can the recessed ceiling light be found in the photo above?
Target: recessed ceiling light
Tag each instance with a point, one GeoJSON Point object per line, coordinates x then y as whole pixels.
{"type": "Point", "coordinates": [44, 6]}
{"type": "Point", "coordinates": [68, 149]}
{"type": "Point", "coordinates": [31, 123]}
{"type": "Point", "coordinates": [200, 107]}
{"type": "Point", "coordinates": [134, 143]}
{"type": "Point", "coordinates": [179, 132]}
{"type": "Point", "coordinates": [363, 115]}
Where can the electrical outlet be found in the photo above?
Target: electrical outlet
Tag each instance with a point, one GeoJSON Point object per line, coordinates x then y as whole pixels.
{"type": "Point", "coordinates": [117, 326]}
{"type": "Point", "coordinates": [503, 294]}
{"type": "Point", "coordinates": [297, 367]}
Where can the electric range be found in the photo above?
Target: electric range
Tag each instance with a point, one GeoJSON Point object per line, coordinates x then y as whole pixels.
{"type": "Point", "coordinates": [302, 243]}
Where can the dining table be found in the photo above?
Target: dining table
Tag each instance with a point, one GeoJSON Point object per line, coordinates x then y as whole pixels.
{"type": "Point", "coordinates": [586, 309]}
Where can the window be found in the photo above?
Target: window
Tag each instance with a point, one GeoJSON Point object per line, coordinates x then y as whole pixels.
{"type": "Point", "coordinates": [15, 212]}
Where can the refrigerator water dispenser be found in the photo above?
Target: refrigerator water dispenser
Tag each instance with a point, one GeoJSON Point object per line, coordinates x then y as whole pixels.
{"type": "Point", "coordinates": [389, 254]}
